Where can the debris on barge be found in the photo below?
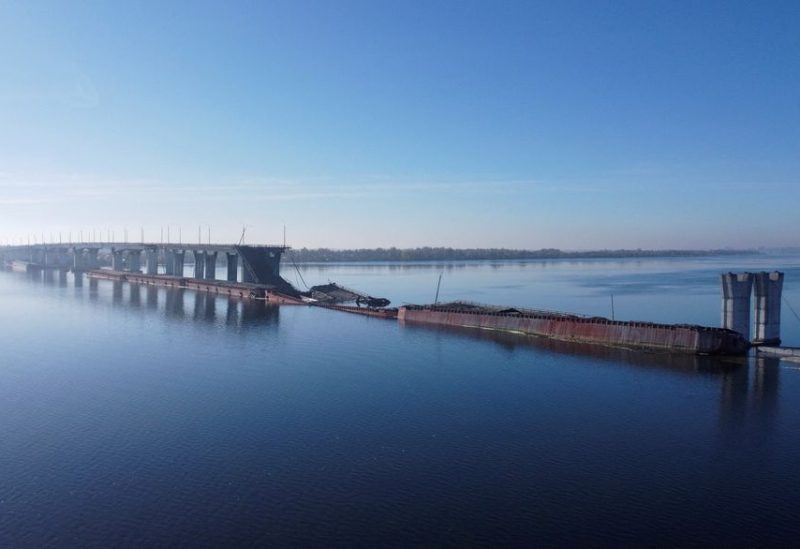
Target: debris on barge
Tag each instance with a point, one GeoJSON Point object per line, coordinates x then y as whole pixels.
{"type": "Point", "coordinates": [253, 272]}
{"type": "Point", "coordinates": [334, 293]}
{"type": "Point", "coordinates": [681, 338]}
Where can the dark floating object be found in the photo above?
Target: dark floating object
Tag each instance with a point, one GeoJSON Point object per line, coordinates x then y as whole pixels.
{"type": "Point", "coordinates": [334, 293]}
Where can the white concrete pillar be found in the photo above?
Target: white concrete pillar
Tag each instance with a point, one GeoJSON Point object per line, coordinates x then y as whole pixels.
{"type": "Point", "coordinates": [736, 290]}
{"type": "Point", "coordinates": [152, 262]}
{"type": "Point", "coordinates": [134, 262]}
{"type": "Point", "coordinates": [211, 265]}
{"type": "Point", "coordinates": [117, 260]}
{"type": "Point", "coordinates": [199, 264]}
{"type": "Point", "coordinates": [169, 262]}
{"type": "Point", "coordinates": [768, 290]}
{"type": "Point", "coordinates": [179, 259]}
{"type": "Point", "coordinates": [78, 263]}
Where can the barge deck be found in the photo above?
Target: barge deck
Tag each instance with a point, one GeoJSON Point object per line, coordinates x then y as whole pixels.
{"type": "Point", "coordinates": [679, 338]}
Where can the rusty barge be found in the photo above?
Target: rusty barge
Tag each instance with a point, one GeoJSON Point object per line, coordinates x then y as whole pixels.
{"type": "Point", "coordinates": [677, 338]}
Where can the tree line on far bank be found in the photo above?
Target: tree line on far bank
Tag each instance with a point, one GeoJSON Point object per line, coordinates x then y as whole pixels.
{"type": "Point", "coordinates": [324, 255]}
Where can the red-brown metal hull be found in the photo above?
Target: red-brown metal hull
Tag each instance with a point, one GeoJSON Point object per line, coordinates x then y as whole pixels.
{"type": "Point", "coordinates": [644, 335]}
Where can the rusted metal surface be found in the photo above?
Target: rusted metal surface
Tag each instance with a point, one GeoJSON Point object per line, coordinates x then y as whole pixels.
{"type": "Point", "coordinates": [336, 293]}
{"type": "Point", "coordinates": [647, 335]}
{"type": "Point", "coordinates": [390, 314]}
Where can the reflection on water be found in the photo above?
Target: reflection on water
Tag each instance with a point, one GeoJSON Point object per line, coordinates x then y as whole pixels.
{"type": "Point", "coordinates": [178, 303]}
{"type": "Point", "coordinates": [738, 402]}
{"type": "Point", "coordinates": [511, 342]}
{"type": "Point", "coordinates": [750, 396]}
{"type": "Point", "coordinates": [152, 297]}
{"type": "Point", "coordinates": [150, 410]}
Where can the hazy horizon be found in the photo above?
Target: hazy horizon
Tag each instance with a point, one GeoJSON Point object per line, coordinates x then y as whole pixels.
{"type": "Point", "coordinates": [372, 124]}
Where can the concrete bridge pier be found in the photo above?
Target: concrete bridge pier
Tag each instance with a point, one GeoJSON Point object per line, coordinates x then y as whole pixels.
{"type": "Point", "coordinates": [169, 262]}
{"type": "Point", "coordinates": [152, 262]}
{"type": "Point", "coordinates": [211, 265]}
{"type": "Point", "coordinates": [199, 264]}
{"type": "Point", "coordinates": [233, 266]}
{"type": "Point", "coordinates": [768, 289]}
{"type": "Point", "coordinates": [117, 260]}
{"type": "Point", "coordinates": [78, 260]}
{"type": "Point", "coordinates": [62, 258]}
{"type": "Point", "coordinates": [179, 259]}
{"type": "Point", "coordinates": [91, 258]}
{"type": "Point", "coordinates": [50, 257]}
{"type": "Point", "coordinates": [736, 290]}
{"type": "Point", "coordinates": [134, 261]}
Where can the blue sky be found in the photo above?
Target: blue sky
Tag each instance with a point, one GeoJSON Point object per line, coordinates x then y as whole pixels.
{"type": "Point", "coordinates": [358, 124]}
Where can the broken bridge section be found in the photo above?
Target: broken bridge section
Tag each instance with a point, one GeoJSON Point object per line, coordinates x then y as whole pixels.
{"type": "Point", "coordinates": [261, 265]}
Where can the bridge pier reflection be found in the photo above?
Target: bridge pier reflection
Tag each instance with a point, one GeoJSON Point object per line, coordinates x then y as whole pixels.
{"type": "Point", "coordinates": [136, 295]}
{"type": "Point", "coordinates": [152, 297]}
{"type": "Point", "coordinates": [174, 305]}
{"type": "Point", "coordinates": [207, 308]}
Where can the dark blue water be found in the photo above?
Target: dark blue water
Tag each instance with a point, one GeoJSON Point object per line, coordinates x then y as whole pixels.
{"type": "Point", "coordinates": [139, 416]}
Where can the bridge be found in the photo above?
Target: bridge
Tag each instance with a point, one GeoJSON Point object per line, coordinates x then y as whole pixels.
{"type": "Point", "coordinates": [260, 264]}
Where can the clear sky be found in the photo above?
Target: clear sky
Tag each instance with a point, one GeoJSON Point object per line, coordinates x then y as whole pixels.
{"type": "Point", "coordinates": [361, 124]}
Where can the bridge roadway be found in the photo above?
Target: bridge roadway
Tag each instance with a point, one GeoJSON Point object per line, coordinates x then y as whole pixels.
{"type": "Point", "coordinates": [260, 264]}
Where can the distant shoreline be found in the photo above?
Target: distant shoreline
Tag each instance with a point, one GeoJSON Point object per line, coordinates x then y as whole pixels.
{"type": "Point", "coordinates": [325, 255]}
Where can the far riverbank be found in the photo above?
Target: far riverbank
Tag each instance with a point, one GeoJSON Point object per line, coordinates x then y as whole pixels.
{"type": "Point", "coordinates": [326, 255]}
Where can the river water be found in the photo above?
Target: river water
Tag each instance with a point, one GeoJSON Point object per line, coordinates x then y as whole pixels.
{"type": "Point", "coordinates": [134, 416]}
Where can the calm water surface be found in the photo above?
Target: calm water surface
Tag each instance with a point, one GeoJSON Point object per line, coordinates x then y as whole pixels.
{"type": "Point", "coordinates": [135, 416]}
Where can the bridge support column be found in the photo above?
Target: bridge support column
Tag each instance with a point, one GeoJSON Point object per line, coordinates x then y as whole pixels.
{"type": "Point", "coordinates": [169, 262]}
{"type": "Point", "coordinates": [233, 266]}
{"type": "Point", "coordinates": [134, 262]}
{"type": "Point", "coordinates": [152, 262]}
{"type": "Point", "coordinates": [117, 260]}
{"type": "Point", "coordinates": [199, 264]}
{"type": "Point", "coordinates": [736, 290]}
{"type": "Point", "coordinates": [91, 258]}
{"type": "Point", "coordinates": [78, 261]}
{"type": "Point", "coordinates": [62, 258]}
{"type": "Point", "coordinates": [211, 265]}
{"type": "Point", "coordinates": [768, 289]}
{"type": "Point", "coordinates": [179, 258]}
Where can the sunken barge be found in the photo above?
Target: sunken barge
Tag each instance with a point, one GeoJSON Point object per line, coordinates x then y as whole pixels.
{"type": "Point", "coordinates": [253, 272]}
{"type": "Point", "coordinates": [675, 338]}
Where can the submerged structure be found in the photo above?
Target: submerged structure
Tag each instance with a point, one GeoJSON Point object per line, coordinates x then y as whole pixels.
{"type": "Point", "coordinates": [681, 338]}
{"type": "Point", "coordinates": [254, 272]}
{"type": "Point", "coordinates": [333, 293]}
